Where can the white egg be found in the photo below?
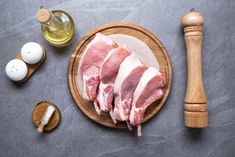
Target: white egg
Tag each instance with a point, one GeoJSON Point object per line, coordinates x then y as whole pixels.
{"type": "Point", "coordinates": [16, 70]}
{"type": "Point", "coordinates": [31, 52]}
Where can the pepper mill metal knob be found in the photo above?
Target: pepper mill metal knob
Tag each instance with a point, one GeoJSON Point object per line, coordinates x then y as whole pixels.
{"type": "Point", "coordinates": [195, 102]}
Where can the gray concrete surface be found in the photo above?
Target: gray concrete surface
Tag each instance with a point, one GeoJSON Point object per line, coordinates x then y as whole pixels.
{"type": "Point", "coordinates": [165, 134]}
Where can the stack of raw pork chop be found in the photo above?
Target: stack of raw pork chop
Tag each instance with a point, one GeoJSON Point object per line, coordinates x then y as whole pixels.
{"type": "Point", "coordinates": [116, 81]}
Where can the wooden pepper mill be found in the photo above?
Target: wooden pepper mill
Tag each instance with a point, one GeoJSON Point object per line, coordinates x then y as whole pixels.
{"type": "Point", "coordinates": [195, 102]}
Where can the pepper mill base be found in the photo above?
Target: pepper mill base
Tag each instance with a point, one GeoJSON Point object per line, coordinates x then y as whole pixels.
{"type": "Point", "coordinates": [196, 119]}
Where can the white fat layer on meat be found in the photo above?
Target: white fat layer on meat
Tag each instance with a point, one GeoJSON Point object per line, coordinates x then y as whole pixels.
{"type": "Point", "coordinates": [102, 95]}
{"type": "Point", "coordinates": [146, 77]}
{"type": "Point", "coordinates": [100, 37]}
{"type": "Point", "coordinates": [137, 110]}
{"type": "Point", "coordinates": [131, 117]}
{"type": "Point", "coordinates": [109, 55]}
{"type": "Point", "coordinates": [121, 112]}
{"type": "Point", "coordinates": [131, 62]}
{"type": "Point", "coordinates": [85, 96]}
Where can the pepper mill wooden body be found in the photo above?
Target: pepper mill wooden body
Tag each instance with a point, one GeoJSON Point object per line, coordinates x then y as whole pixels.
{"type": "Point", "coordinates": [195, 102]}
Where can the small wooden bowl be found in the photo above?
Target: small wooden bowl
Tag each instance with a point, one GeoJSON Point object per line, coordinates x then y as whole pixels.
{"type": "Point", "coordinates": [31, 67]}
{"type": "Point", "coordinates": [38, 112]}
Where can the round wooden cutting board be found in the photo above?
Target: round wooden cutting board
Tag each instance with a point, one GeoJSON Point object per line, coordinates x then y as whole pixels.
{"type": "Point", "coordinates": [130, 29]}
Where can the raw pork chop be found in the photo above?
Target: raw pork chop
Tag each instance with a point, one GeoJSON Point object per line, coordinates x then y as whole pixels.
{"type": "Point", "coordinates": [90, 64]}
{"type": "Point", "coordinates": [108, 72]}
{"type": "Point", "coordinates": [129, 74]}
{"type": "Point", "coordinates": [147, 91]}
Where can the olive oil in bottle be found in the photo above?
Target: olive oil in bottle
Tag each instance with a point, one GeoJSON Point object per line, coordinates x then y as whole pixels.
{"type": "Point", "coordinates": [57, 26]}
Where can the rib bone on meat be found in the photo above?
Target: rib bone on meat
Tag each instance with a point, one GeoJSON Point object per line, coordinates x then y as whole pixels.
{"type": "Point", "coordinates": [129, 74]}
{"type": "Point", "coordinates": [93, 57]}
{"type": "Point", "coordinates": [108, 73]}
{"type": "Point", "coordinates": [148, 90]}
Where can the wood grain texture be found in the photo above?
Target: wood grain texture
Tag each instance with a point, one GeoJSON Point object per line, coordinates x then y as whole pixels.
{"type": "Point", "coordinates": [141, 33]}
{"type": "Point", "coordinates": [31, 67]}
{"type": "Point", "coordinates": [195, 102]}
{"type": "Point", "coordinates": [38, 112]}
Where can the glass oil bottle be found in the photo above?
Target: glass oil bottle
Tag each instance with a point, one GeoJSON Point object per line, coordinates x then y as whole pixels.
{"type": "Point", "coordinates": [57, 26]}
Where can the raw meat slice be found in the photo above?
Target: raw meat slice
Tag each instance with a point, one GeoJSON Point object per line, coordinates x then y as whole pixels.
{"type": "Point", "coordinates": [129, 74]}
{"type": "Point", "coordinates": [148, 90]}
{"type": "Point", "coordinates": [90, 64]}
{"type": "Point", "coordinates": [108, 72]}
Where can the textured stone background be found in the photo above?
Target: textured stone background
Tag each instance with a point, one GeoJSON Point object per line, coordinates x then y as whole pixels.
{"type": "Point", "coordinates": [165, 134]}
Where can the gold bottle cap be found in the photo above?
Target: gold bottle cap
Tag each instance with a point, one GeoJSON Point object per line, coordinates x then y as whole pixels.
{"type": "Point", "coordinates": [43, 15]}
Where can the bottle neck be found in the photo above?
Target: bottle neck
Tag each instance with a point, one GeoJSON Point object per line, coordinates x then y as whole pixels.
{"type": "Point", "coordinates": [54, 24]}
